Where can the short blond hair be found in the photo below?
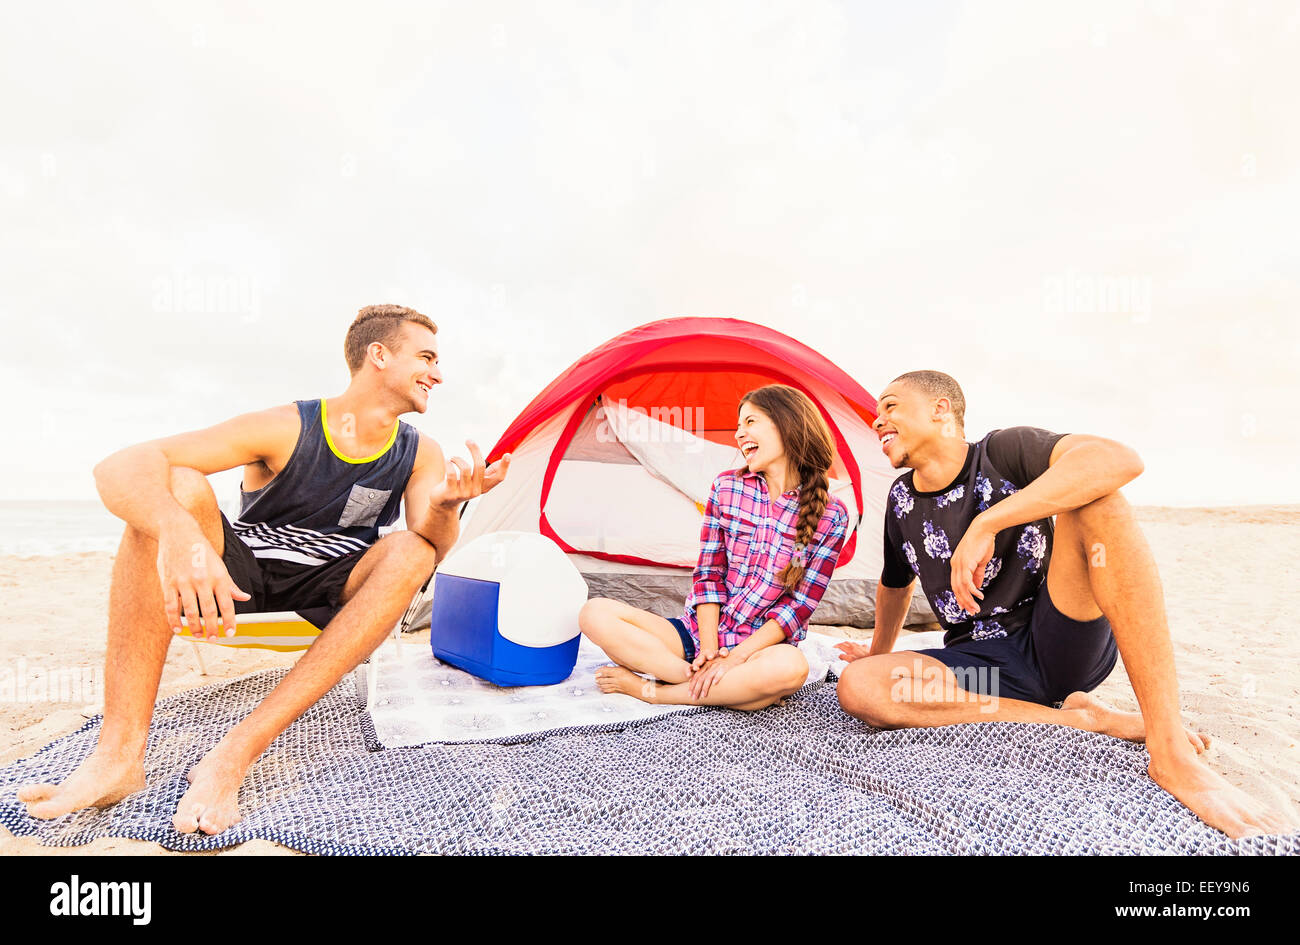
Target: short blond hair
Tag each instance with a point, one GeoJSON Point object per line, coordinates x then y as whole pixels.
{"type": "Point", "coordinates": [381, 323]}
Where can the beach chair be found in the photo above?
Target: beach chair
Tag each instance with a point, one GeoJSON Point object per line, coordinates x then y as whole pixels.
{"type": "Point", "coordinates": [284, 632]}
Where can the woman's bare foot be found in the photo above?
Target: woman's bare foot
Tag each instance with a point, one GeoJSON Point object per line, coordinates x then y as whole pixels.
{"type": "Point", "coordinates": [1129, 726]}
{"type": "Point", "coordinates": [1209, 796]}
{"type": "Point", "coordinates": [212, 802]}
{"type": "Point", "coordinates": [102, 779]}
{"type": "Point", "coordinates": [617, 678]}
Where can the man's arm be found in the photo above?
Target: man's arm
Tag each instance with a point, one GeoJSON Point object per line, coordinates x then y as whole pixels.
{"type": "Point", "coordinates": [134, 484]}
{"type": "Point", "coordinates": [1081, 468]}
{"type": "Point", "coordinates": [437, 489]}
{"type": "Point", "coordinates": [891, 611]}
{"type": "Point", "coordinates": [438, 526]}
{"type": "Point", "coordinates": [892, 600]}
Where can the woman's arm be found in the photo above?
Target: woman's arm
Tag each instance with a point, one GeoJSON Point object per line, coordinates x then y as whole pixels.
{"type": "Point", "coordinates": [788, 619]}
{"type": "Point", "coordinates": [794, 608]}
{"type": "Point", "coordinates": [767, 635]}
{"type": "Point", "coordinates": [708, 584]}
{"type": "Point", "coordinates": [706, 619]}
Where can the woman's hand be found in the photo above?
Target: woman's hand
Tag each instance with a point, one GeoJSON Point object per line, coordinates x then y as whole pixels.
{"type": "Point", "coordinates": [704, 679]}
{"type": "Point", "coordinates": [705, 657]}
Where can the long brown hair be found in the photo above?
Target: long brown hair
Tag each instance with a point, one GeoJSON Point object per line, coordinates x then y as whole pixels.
{"type": "Point", "coordinates": [809, 451]}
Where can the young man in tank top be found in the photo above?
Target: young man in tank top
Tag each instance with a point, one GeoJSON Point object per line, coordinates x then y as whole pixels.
{"type": "Point", "coordinates": [1035, 615]}
{"type": "Point", "coordinates": [320, 478]}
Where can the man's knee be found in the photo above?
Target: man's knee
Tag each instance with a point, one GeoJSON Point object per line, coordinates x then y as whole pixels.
{"type": "Point", "coordinates": [1104, 511]}
{"type": "Point", "coordinates": [192, 490]}
{"type": "Point", "coordinates": [409, 553]}
{"type": "Point", "coordinates": [864, 693]}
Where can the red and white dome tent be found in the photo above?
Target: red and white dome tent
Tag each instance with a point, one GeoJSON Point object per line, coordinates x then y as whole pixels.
{"type": "Point", "coordinates": [614, 459]}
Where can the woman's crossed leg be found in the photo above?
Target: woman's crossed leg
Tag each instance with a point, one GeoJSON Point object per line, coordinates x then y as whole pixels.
{"type": "Point", "coordinates": [642, 642]}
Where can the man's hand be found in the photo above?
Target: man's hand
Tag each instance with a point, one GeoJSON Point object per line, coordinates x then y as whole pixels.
{"type": "Point", "coordinates": [969, 560]}
{"type": "Point", "coordinates": [850, 651]}
{"type": "Point", "coordinates": [466, 479]}
{"type": "Point", "coordinates": [495, 474]}
{"type": "Point", "coordinates": [195, 583]}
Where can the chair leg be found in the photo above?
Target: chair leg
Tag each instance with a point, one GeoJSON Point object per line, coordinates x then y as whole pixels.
{"type": "Point", "coordinates": [198, 655]}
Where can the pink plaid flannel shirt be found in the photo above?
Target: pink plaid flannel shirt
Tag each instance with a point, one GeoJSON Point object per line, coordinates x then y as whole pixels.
{"type": "Point", "coordinates": [745, 541]}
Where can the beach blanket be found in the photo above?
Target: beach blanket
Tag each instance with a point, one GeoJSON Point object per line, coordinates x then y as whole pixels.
{"type": "Point", "coordinates": [802, 778]}
{"type": "Point", "coordinates": [418, 699]}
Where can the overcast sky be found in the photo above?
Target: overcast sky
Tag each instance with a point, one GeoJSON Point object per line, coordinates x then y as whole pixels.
{"type": "Point", "coordinates": [1088, 213]}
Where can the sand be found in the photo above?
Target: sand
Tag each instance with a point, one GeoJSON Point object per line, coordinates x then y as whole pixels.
{"type": "Point", "coordinates": [1232, 584]}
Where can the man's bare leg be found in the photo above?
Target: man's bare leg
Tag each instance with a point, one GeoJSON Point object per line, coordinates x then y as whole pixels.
{"type": "Point", "coordinates": [766, 677]}
{"type": "Point", "coordinates": [376, 595]}
{"type": "Point", "coordinates": [138, 637]}
{"type": "Point", "coordinates": [1108, 568]}
{"type": "Point", "coordinates": [912, 690]}
{"type": "Point", "coordinates": [1127, 589]}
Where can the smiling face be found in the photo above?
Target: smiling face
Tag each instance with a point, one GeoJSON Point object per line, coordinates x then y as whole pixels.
{"type": "Point", "coordinates": [758, 439]}
{"type": "Point", "coordinates": [411, 366]}
{"type": "Point", "coordinates": [909, 420]}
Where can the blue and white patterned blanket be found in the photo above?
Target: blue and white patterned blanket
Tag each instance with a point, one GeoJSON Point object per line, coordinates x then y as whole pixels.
{"type": "Point", "coordinates": [802, 778]}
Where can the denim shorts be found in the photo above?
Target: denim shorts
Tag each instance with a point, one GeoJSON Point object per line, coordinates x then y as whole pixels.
{"type": "Point", "coordinates": [688, 642]}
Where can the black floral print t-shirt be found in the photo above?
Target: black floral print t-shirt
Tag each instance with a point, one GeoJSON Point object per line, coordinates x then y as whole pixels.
{"type": "Point", "coordinates": [922, 530]}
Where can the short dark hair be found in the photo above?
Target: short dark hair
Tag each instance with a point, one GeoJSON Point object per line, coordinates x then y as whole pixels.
{"type": "Point", "coordinates": [937, 384]}
{"type": "Point", "coordinates": [379, 323]}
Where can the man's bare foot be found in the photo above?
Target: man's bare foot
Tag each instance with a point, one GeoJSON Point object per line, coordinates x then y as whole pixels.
{"type": "Point", "coordinates": [617, 678]}
{"type": "Point", "coordinates": [1209, 796]}
{"type": "Point", "coordinates": [1108, 720]}
{"type": "Point", "coordinates": [212, 802]}
{"type": "Point", "coordinates": [102, 779]}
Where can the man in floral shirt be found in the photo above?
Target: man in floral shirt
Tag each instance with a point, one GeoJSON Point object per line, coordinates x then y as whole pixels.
{"type": "Point", "coordinates": [921, 530]}
{"type": "Point", "coordinates": [1035, 614]}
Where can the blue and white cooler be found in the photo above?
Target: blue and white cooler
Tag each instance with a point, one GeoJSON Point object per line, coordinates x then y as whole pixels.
{"type": "Point", "coordinates": [505, 608]}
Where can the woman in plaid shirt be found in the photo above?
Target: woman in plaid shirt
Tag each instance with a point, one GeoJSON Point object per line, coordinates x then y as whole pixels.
{"type": "Point", "coordinates": [771, 537]}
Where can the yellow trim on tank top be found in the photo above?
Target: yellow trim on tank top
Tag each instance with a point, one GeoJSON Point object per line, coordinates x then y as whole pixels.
{"type": "Point", "coordinates": [329, 440]}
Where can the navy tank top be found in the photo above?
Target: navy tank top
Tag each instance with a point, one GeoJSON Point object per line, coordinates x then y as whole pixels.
{"type": "Point", "coordinates": [323, 505]}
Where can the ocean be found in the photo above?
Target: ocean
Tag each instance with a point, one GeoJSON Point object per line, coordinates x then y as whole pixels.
{"type": "Point", "coordinates": [30, 528]}
{"type": "Point", "coordinates": [57, 527]}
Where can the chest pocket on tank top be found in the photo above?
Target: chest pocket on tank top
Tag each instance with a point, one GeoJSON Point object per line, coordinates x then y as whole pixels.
{"type": "Point", "coordinates": [363, 506]}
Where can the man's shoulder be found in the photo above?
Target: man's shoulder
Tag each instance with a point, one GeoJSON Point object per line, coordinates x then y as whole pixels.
{"type": "Point", "coordinates": [426, 447]}
{"type": "Point", "coordinates": [899, 502]}
{"type": "Point", "coordinates": [1019, 434]}
{"type": "Point", "coordinates": [900, 490]}
{"type": "Point", "coordinates": [282, 412]}
{"type": "Point", "coordinates": [268, 424]}
{"type": "Point", "coordinates": [282, 419]}
{"type": "Point", "coordinates": [1020, 454]}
